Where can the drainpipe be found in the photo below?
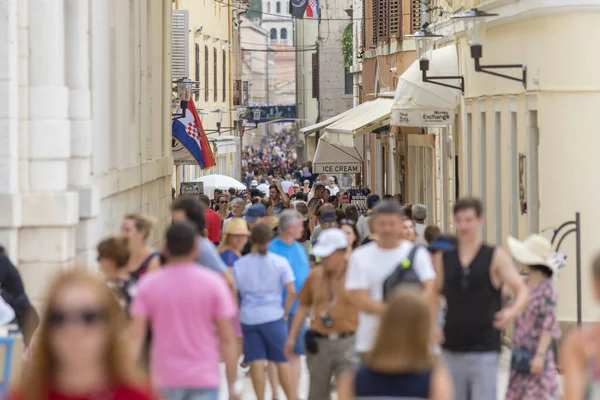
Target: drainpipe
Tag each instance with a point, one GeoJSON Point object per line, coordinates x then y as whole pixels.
{"type": "Point", "coordinates": [425, 14]}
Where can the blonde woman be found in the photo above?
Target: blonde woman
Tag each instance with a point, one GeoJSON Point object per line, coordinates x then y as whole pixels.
{"type": "Point", "coordinates": [143, 258]}
{"type": "Point", "coordinates": [80, 352]}
{"type": "Point", "coordinates": [401, 364]}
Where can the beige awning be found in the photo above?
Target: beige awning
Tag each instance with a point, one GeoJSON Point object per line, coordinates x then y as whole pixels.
{"type": "Point", "coordinates": [334, 159]}
{"type": "Point", "coordinates": [372, 115]}
{"type": "Point", "coordinates": [309, 130]}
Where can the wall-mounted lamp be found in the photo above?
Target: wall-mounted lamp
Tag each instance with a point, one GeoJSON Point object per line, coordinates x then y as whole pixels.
{"type": "Point", "coordinates": [184, 94]}
{"type": "Point", "coordinates": [256, 115]}
{"type": "Point", "coordinates": [475, 30]}
{"type": "Point", "coordinates": [199, 30]}
{"type": "Point", "coordinates": [219, 113]}
{"type": "Point", "coordinates": [424, 42]}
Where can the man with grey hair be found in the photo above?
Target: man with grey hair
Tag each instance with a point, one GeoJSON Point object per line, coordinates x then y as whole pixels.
{"type": "Point", "coordinates": [419, 214]}
{"type": "Point", "coordinates": [291, 229]}
{"type": "Point", "coordinates": [237, 209]}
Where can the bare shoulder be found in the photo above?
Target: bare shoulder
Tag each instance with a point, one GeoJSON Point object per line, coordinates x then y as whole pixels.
{"type": "Point", "coordinates": [501, 258]}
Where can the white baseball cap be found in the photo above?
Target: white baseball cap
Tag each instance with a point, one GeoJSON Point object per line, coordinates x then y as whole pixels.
{"type": "Point", "coordinates": [329, 241]}
{"type": "Point", "coordinates": [254, 183]}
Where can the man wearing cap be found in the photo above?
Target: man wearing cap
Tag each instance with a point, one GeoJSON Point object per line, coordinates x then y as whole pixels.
{"type": "Point", "coordinates": [306, 186]}
{"type": "Point", "coordinates": [253, 215]}
{"type": "Point", "coordinates": [334, 319]}
{"type": "Point", "coordinates": [253, 184]}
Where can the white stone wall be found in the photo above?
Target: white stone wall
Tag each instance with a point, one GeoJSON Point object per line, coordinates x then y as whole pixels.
{"type": "Point", "coordinates": [85, 135]}
{"type": "Point", "coordinates": [332, 99]}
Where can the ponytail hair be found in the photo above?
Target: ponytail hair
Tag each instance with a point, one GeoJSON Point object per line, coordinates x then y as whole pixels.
{"type": "Point", "coordinates": [260, 237]}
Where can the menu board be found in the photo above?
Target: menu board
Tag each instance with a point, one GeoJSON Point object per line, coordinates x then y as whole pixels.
{"type": "Point", "coordinates": [191, 188]}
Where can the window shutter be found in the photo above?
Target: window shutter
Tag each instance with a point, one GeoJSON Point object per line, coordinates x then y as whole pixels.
{"type": "Point", "coordinates": [215, 76]}
{"type": "Point", "coordinates": [362, 26]}
{"type": "Point", "coordinates": [179, 43]}
{"type": "Point", "coordinates": [315, 75]}
{"type": "Point", "coordinates": [197, 72]}
{"type": "Point", "coordinates": [206, 81]}
{"type": "Point", "coordinates": [396, 18]}
{"type": "Point", "coordinates": [224, 76]}
{"type": "Point", "coordinates": [382, 20]}
{"type": "Point", "coordinates": [375, 21]}
{"type": "Point", "coordinates": [415, 16]}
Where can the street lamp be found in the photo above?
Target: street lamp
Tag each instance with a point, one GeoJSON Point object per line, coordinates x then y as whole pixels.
{"type": "Point", "coordinates": [256, 114]}
{"type": "Point", "coordinates": [424, 45]}
{"type": "Point", "coordinates": [184, 94]}
{"type": "Point", "coordinates": [475, 29]}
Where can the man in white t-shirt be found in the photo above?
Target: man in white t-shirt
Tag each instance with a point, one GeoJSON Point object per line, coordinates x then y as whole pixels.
{"type": "Point", "coordinates": [332, 187]}
{"type": "Point", "coordinates": [371, 264]}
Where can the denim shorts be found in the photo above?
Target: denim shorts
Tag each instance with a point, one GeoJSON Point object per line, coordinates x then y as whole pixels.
{"type": "Point", "coordinates": [300, 348]}
{"type": "Point", "coordinates": [265, 341]}
{"type": "Point", "coordinates": [190, 393]}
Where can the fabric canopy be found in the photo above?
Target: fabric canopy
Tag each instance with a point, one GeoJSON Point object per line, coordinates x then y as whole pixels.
{"type": "Point", "coordinates": [334, 159]}
{"type": "Point", "coordinates": [217, 181]}
{"type": "Point", "coordinates": [419, 103]}
{"type": "Point", "coordinates": [363, 119]}
{"type": "Point", "coordinates": [308, 130]}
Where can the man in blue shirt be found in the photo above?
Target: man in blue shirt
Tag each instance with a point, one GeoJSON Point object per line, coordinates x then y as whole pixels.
{"type": "Point", "coordinates": [291, 228]}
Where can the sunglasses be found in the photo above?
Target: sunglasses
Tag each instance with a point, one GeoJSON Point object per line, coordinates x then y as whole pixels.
{"type": "Point", "coordinates": [86, 317]}
{"type": "Point", "coordinates": [223, 202]}
{"type": "Point", "coordinates": [347, 222]}
{"type": "Point", "coordinates": [465, 282]}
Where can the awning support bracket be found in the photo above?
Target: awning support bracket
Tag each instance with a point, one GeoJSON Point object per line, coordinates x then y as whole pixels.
{"type": "Point", "coordinates": [424, 66]}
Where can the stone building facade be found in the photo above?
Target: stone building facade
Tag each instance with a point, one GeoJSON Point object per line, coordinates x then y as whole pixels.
{"type": "Point", "coordinates": [85, 138]}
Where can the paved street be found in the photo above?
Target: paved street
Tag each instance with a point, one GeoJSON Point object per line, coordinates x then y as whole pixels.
{"type": "Point", "coordinates": [249, 392]}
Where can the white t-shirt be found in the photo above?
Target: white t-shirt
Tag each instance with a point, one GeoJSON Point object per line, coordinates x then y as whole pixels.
{"type": "Point", "coordinates": [333, 190]}
{"type": "Point", "coordinates": [369, 267]}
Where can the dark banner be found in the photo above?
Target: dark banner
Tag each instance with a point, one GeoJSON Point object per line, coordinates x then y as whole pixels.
{"type": "Point", "coordinates": [272, 113]}
{"type": "Point", "coordinates": [298, 7]}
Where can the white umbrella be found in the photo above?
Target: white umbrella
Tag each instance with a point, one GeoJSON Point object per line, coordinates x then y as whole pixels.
{"type": "Point", "coordinates": [217, 181]}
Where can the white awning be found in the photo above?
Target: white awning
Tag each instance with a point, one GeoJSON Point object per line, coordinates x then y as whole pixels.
{"type": "Point", "coordinates": [419, 103]}
{"type": "Point", "coordinates": [308, 130]}
{"type": "Point", "coordinates": [334, 159]}
{"type": "Point", "coordinates": [363, 119]}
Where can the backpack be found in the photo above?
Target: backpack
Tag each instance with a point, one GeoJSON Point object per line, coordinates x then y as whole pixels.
{"type": "Point", "coordinates": [403, 274]}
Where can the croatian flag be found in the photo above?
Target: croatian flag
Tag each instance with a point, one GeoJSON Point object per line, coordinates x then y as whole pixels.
{"type": "Point", "coordinates": [312, 11]}
{"type": "Point", "coordinates": [189, 132]}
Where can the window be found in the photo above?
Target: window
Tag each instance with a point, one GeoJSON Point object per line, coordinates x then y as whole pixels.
{"type": "Point", "coordinates": [315, 75]}
{"type": "Point", "coordinates": [215, 76]}
{"type": "Point", "coordinates": [273, 34]}
{"type": "Point", "coordinates": [387, 20]}
{"type": "Point", "coordinates": [498, 173]}
{"type": "Point", "coordinates": [278, 7]}
{"type": "Point", "coordinates": [283, 34]}
{"type": "Point", "coordinates": [415, 16]}
{"type": "Point", "coordinates": [483, 162]}
{"type": "Point", "coordinates": [348, 82]}
{"type": "Point", "coordinates": [197, 72]}
{"type": "Point", "coordinates": [179, 44]}
{"type": "Point", "coordinates": [224, 76]}
{"type": "Point", "coordinates": [206, 88]}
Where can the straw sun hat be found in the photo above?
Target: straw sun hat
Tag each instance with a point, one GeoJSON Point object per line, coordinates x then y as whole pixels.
{"type": "Point", "coordinates": [237, 226]}
{"type": "Point", "coordinates": [535, 250]}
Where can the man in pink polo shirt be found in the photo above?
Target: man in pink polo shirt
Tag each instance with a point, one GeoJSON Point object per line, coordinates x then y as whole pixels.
{"type": "Point", "coordinates": [190, 311]}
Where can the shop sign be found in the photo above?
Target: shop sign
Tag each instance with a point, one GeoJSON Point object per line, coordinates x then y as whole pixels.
{"type": "Point", "coordinates": [421, 117]}
{"type": "Point", "coordinates": [337, 168]}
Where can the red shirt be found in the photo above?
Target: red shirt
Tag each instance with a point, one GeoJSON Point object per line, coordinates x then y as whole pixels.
{"type": "Point", "coordinates": [213, 224]}
{"type": "Point", "coordinates": [116, 393]}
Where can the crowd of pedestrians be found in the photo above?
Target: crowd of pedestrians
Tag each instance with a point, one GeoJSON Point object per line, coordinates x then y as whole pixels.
{"type": "Point", "coordinates": [382, 306]}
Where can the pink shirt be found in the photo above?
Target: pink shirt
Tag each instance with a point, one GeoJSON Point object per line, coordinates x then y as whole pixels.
{"type": "Point", "coordinates": [182, 302]}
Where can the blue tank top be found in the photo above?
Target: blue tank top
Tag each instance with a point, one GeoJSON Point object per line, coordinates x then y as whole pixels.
{"type": "Point", "coordinates": [371, 385]}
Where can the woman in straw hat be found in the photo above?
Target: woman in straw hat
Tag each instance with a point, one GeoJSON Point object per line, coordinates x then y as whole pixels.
{"type": "Point", "coordinates": [235, 237]}
{"type": "Point", "coordinates": [533, 372]}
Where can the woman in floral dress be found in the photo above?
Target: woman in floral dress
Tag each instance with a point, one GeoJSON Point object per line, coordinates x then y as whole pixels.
{"type": "Point", "coordinates": [537, 326]}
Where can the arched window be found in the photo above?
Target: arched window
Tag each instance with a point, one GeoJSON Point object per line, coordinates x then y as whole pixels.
{"type": "Point", "coordinates": [273, 34]}
{"type": "Point", "coordinates": [278, 7]}
{"type": "Point", "coordinates": [268, 6]}
{"type": "Point", "coordinates": [283, 34]}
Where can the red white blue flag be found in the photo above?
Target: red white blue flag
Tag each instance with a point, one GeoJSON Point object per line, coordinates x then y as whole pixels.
{"type": "Point", "coordinates": [312, 10]}
{"type": "Point", "coordinates": [190, 133]}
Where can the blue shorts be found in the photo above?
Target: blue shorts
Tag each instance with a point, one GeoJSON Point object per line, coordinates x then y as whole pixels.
{"type": "Point", "coordinates": [300, 348]}
{"type": "Point", "coordinates": [265, 341]}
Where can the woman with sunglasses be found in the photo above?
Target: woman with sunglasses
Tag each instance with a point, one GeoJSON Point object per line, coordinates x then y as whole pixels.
{"type": "Point", "coordinates": [79, 353]}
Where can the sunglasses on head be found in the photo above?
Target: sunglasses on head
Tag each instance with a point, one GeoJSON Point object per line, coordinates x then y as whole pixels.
{"type": "Point", "coordinates": [87, 317]}
{"type": "Point", "coordinates": [347, 222]}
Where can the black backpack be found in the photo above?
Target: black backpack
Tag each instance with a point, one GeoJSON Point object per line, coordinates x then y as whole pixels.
{"type": "Point", "coordinates": [403, 274]}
